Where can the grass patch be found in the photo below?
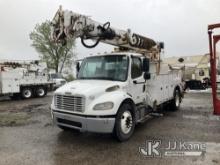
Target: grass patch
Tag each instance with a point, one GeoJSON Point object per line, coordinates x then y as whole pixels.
{"type": "Point", "coordinates": [13, 119]}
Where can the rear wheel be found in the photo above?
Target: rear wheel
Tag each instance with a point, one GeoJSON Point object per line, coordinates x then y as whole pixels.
{"type": "Point", "coordinates": [26, 93]}
{"type": "Point", "coordinates": [41, 92]}
{"type": "Point", "coordinates": [125, 123]}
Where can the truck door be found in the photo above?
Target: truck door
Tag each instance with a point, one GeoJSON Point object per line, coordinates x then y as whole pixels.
{"type": "Point", "coordinates": [137, 80]}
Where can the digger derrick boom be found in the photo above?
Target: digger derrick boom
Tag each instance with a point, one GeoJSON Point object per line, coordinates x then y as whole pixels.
{"type": "Point", "coordinates": [68, 24]}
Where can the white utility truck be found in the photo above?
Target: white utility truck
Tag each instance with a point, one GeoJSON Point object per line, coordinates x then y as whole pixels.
{"type": "Point", "coordinates": [24, 78]}
{"type": "Point", "coordinates": [113, 91]}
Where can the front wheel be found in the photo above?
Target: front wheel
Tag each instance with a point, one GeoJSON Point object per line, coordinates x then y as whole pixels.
{"type": "Point", "coordinates": [175, 103]}
{"type": "Point", "coordinates": [125, 123]}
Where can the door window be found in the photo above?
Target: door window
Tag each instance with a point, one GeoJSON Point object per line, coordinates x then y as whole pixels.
{"type": "Point", "coordinates": [136, 67]}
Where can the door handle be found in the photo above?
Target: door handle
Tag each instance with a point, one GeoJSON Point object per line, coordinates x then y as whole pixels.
{"type": "Point", "coordinates": [135, 82]}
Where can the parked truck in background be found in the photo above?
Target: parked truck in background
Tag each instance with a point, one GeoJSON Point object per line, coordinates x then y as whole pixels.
{"type": "Point", "coordinates": [57, 79]}
{"type": "Point", "coordinates": [24, 79]}
{"type": "Point", "coordinates": [196, 70]}
{"type": "Point", "coordinates": [113, 91]}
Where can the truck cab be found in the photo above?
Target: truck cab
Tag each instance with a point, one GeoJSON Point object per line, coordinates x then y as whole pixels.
{"type": "Point", "coordinates": [113, 92]}
{"type": "Point", "coordinates": [57, 79]}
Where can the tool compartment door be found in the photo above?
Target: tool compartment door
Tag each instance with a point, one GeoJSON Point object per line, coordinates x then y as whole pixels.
{"type": "Point", "coordinates": [9, 83]}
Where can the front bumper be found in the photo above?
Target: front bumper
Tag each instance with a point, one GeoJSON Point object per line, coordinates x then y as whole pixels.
{"type": "Point", "coordinates": [102, 124]}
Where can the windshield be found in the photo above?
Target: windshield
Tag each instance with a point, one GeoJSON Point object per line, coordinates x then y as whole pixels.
{"type": "Point", "coordinates": [110, 67]}
{"type": "Point", "coordinates": [55, 76]}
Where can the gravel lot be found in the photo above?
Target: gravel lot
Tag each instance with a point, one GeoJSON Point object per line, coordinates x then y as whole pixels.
{"type": "Point", "coordinates": [27, 136]}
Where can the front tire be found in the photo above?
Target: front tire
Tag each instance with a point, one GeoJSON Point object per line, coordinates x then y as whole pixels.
{"type": "Point", "coordinates": [125, 123]}
{"type": "Point", "coordinates": [175, 103]}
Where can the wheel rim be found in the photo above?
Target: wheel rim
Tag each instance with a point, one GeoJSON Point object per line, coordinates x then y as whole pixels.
{"type": "Point", "coordinates": [177, 99]}
{"type": "Point", "coordinates": [40, 92]}
{"type": "Point", "coordinates": [126, 122]}
{"type": "Point", "coordinates": [27, 93]}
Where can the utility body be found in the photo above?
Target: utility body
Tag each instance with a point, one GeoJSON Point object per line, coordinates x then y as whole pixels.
{"type": "Point", "coordinates": [113, 91]}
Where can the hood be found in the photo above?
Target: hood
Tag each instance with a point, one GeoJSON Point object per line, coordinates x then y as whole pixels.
{"type": "Point", "coordinates": [59, 79]}
{"type": "Point", "coordinates": [86, 87]}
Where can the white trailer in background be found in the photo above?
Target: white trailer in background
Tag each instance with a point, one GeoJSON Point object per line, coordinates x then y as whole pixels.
{"type": "Point", "coordinates": [113, 91]}
{"type": "Point", "coordinates": [24, 78]}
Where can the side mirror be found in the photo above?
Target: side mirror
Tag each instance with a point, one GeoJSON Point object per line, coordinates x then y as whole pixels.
{"type": "Point", "coordinates": [77, 67]}
{"type": "Point", "coordinates": [161, 44]}
{"type": "Point", "coordinates": [146, 65]}
{"type": "Point", "coordinates": [147, 76]}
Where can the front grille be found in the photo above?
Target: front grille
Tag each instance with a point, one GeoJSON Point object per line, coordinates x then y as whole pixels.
{"type": "Point", "coordinates": [70, 103]}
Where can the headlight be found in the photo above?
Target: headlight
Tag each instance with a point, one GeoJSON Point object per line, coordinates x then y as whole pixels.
{"type": "Point", "coordinates": [53, 100]}
{"type": "Point", "coordinates": [103, 106]}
